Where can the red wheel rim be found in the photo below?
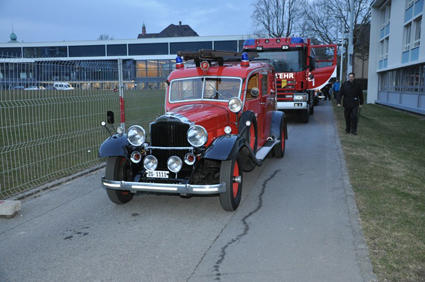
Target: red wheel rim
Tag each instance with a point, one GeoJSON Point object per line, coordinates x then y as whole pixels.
{"type": "Point", "coordinates": [252, 137]}
{"type": "Point", "coordinates": [235, 183]}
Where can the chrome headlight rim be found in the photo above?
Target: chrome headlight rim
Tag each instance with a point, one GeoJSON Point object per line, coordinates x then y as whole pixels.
{"type": "Point", "coordinates": [235, 105]}
{"type": "Point", "coordinates": [153, 161]}
{"type": "Point", "coordinates": [174, 164]}
{"type": "Point", "coordinates": [134, 137]}
{"type": "Point", "coordinates": [202, 140]}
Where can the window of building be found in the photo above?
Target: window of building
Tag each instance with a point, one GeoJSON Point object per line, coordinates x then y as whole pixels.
{"type": "Point", "coordinates": [45, 52]}
{"type": "Point", "coordinates": [87, 51]}
{"type": "Point", "coordinates": [148, 49]}
{"type": "Point", "coordinates": [117, 49]}
{"type": "Point", "coordinates": [229, 45]}
{"type": "Point", "coordinates": [407, 36]}
{"type": "Point", "coordinates": [417, 33]}
{"type": "Point", "coordinates": [10, 52]}
{"type": "Point", "coordinates": [189, 46]}
{"type": "Point", "coordinates": [409, 3]}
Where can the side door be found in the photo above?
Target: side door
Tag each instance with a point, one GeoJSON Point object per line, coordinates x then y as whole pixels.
{"type": "Point", "coordinates": [254, 104]}
{"type": "Point", "coordinates": [267, 103]}
{"type": "Point", "coordinates": [323, 67]}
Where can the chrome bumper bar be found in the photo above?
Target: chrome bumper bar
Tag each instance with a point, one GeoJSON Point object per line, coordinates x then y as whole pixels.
{"type": "Point", "coordinates": [163, 187]}
{"type": "Point", "coordinates": [292, 105]}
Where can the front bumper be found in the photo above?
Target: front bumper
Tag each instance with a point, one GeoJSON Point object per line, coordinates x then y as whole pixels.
{"type": "Point", "coordinates": [292, 105]}
{"type": "Point", "coordinates": [163, 187]}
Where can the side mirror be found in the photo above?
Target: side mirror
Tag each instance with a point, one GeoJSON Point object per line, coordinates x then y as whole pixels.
{"type": "Point", "coordinates": [110, 117]}
{"type": "Point", "coordinates": [255, 92]}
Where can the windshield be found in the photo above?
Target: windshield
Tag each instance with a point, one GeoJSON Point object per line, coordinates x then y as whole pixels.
{"type": "Point", "coordinates": [210, 88]}
{"type": "Point", "coordinates": [283, 61]}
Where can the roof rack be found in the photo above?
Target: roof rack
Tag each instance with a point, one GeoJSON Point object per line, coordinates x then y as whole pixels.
{"type": "Point", "coordinates": [210, 55]}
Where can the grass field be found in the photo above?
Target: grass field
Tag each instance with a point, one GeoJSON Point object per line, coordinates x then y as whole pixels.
{"type": "Point", "coordinates": [50, 134]}
{"type": "Point", "coordinates": [386, 164]}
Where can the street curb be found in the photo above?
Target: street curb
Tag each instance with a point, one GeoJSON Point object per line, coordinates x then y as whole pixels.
{"type": "Point", "coordinates": [57, 182]}
{"type": "Point", "coordinates": [360, 245]}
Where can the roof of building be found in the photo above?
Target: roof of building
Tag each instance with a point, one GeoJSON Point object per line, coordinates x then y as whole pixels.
{"type": "Point", "coordinates": [172, 30]}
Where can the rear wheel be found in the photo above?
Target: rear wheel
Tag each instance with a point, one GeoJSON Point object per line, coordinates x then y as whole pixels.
{"type": "Point", "coordinates": [231, 174]}
{"type": "Point", "coordinates": [118, 168]}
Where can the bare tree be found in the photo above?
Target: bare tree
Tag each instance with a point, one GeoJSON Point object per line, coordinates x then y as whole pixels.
{"type": "Point", "coordinates": [105, 37]}
{"type": "Point", "coordinates": [276, 18]}
{"type": "Point", "coordinates": [325, 19]}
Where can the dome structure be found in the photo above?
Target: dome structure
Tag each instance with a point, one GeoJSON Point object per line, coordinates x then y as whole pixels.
{"type": "Point", "coordinates": [13, 38]}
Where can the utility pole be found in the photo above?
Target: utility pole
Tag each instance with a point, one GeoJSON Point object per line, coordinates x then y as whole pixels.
{"type": "Point", "coordinates": [341, 46]}
{"type": "Point", "coordinates": [350, 39]}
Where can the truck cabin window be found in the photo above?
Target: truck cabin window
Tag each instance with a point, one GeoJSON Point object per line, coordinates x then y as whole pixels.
{"type": "Point", "coordinates": [204, 88]}
{"type": "Point", "coordinates": [283, 61]}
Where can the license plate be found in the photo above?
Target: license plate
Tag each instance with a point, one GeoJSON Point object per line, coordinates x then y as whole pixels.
{"type": "Point", "coordinates": [298, 104]}
{"type": "Point", "coordinates": [157, 174]}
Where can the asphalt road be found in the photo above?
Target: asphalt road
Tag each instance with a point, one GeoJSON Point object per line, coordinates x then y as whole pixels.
{"type": "Point", "coordinates": [297, 222]}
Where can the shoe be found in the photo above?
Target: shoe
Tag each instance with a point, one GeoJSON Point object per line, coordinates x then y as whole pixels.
{"type": "Point", "coordinates": [354, 133]}
{"type": "Point", "coordinates": [347, 131]}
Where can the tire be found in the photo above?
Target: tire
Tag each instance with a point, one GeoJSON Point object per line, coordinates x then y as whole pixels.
{"type": "Point", "coordinates": [279, 149]}
{"type": "Point", "coordinates": [230, 199]}
{"type": "Point", "coordinates": [118, 168]}
{"type": "Point", "coordinates": [305, 116]}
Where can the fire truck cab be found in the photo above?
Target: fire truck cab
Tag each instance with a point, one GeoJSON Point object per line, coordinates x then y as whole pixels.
{"type": "Point", "coordinates": [300, 69]}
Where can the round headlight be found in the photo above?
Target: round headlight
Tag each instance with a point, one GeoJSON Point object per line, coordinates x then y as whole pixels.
{"type": "Point", "coordinates": [197, 136]}
{"type": "Point", "coordinates": [150, 162]}
{"type": "Point", "coordinates": [174, 164]}
{"type": "Point", "coordinates": [136, 135]}
{"type": "Point", "coordinates": [235, 105]}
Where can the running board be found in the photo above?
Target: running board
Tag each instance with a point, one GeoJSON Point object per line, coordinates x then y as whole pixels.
{"type": "Point", "coordinates": [262, 153]}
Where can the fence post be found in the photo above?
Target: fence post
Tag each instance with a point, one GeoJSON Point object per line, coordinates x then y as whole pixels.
{"type": "Point", "coordinates": [121, 91]}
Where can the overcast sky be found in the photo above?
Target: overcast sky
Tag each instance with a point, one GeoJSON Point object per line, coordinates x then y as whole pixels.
{"type": "Point", "coordinates": [58, 20]}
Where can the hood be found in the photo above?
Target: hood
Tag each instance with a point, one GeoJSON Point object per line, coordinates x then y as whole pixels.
{"type": "Point", "coordinates": [211, 116]}
{"type": "Point", "coordinates": [198, 113]}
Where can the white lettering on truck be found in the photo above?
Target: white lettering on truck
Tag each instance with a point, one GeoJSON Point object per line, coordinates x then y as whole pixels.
{"type": "Point", "coordinates": [284, 75]}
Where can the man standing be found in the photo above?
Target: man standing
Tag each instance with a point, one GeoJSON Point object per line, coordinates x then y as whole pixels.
{"type": "Point", "coordinates": [352, 99]}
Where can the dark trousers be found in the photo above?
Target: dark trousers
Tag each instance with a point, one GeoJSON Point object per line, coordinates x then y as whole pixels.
{"type": "Point", "coordinates": [351, 118]}
{"type": "Point", "coordinates": [337, 97]}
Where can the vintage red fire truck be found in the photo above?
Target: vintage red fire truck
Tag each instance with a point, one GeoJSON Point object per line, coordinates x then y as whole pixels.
{"type": "Point", "coordinates": [300, 69]}
{"type": "Point", "coordinates": [220, 121]}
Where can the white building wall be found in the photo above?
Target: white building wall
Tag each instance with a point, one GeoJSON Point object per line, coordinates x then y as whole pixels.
{"type": "Point", "coordinates": [394, 80]}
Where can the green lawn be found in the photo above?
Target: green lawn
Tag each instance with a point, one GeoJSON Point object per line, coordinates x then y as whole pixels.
{"type": "Point", "coordinates": [386, 164]}
{"type": "Point", "coordinates": [49, 134]}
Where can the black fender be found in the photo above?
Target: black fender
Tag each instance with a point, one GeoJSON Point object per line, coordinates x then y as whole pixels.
{"type": "Point", "coordinates": [114, 146]}
{"type": "Point", "coordinates": [224, 147]}
{"type": "Point", "coordinates": [248, 116]}
{"type": "Point", "coordinates": [278, 117]}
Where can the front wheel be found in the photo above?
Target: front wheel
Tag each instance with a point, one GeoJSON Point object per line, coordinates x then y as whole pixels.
{"type": "Point", "coordinates": [118, 168]}
{"type": "Point", "coordinates": [305, 116]}
{"type": "Point", "coordinates": [231, 174]}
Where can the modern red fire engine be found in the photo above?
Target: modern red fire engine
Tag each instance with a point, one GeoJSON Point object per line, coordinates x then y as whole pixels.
{"type": "Point", "coordinates": [300, 69]}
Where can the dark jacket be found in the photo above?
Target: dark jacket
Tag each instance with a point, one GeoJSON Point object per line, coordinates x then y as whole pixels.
{"type": "Point", "coordinates": [352, 94]}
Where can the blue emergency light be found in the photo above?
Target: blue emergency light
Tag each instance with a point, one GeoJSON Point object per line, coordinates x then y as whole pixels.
{"type": "Point", "coordinates": [245, 59]}
{"type": "Point", "coordinates": [249, 42]}
{"type": "Point", "coordinates": [179, 62]}
{"type": "Point", "coordinates": [295, 40]}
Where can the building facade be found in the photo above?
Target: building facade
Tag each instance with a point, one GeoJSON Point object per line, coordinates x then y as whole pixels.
{"type": "Point", "coordinates": [397, 55]}
{"type": "Point", "coordinates": [146, 61]}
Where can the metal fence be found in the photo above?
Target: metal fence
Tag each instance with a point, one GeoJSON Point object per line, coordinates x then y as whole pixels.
{"type": "Point", "coordinates": [50, 114]}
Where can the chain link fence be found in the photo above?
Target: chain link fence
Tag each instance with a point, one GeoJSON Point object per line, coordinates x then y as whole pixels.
{"type": "Point", "coordinates": [50, 114]}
